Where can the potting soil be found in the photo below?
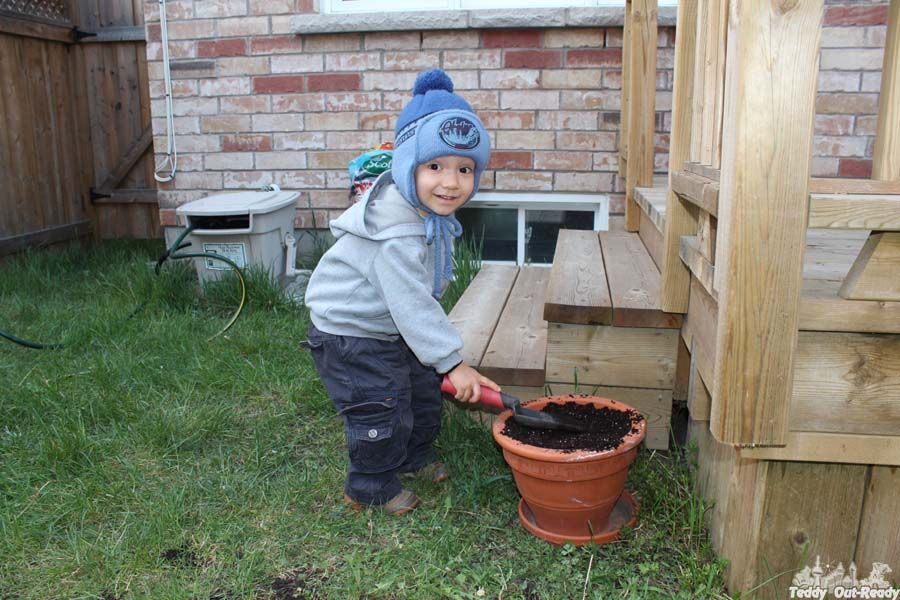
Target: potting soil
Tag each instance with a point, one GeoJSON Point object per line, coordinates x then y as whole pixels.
{"type": "Point", "coordinates": [610, 425]}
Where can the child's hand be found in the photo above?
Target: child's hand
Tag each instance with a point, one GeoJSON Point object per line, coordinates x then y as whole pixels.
{"type": "Point", "coordinates": [468, 382]}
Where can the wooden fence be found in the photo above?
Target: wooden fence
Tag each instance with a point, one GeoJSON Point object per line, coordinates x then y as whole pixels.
{"type": "Point", "coordinates": [76, 124]}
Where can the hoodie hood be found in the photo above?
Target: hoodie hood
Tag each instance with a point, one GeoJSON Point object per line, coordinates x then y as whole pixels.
{"type": "Point", "coordinates": [382, 213]}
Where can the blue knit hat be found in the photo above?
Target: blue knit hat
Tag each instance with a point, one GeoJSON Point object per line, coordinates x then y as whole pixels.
{"type": "Point", "coordinates": [435, 123]}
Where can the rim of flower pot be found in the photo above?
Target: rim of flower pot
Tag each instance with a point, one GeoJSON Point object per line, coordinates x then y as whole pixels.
{"type": "Point", "coordinates": [556, 455]}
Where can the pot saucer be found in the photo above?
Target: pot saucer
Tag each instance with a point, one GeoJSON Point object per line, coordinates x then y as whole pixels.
{"type": "Point", "coordinates": [624, 514]}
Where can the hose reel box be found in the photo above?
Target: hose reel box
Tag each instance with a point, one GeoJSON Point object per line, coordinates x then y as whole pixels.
{"type": "Point", "coordinates": [251, 228]}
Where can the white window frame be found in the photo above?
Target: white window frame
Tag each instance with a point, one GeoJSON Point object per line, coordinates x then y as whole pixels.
{"type": "Point", "coordinates": [522, 202]}
{"type": "Point", "coordinates": [365, 6]}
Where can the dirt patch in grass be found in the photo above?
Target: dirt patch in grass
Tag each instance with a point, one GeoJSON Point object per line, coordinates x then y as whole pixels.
{"type": "Point", "coordinates": [302, 582]}
{"type": "Point", "coordinates": [608, 428]}
{"type": "Point", "coordinates": [182, 556]}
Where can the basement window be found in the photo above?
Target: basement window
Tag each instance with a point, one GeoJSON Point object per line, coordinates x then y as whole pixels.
{"type": "Point", "coordinates": [522, 228]}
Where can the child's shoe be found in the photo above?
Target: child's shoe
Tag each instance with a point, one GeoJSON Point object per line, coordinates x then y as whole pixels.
{"type": "Point", "coordinates": [400, 504]}
{"type": "Point", "coordinates": [436, 472]}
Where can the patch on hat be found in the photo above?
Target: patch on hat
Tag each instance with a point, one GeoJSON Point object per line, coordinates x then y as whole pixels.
{"type": "Point", "coordinates": [459, 133]}
{"type": "Point", "coordinates": [405, 133]}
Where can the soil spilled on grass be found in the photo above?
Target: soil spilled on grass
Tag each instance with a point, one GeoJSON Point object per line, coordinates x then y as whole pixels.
{"type": "Point", "coordinates": [610, 428]}
{"type": "Point", "coordinates": [182, 556]}
{"type": "Point", "coordinates": [301, 582]}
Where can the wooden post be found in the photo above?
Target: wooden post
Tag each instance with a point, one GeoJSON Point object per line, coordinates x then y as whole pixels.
{"type": "Point", "coordinates": [675, 276]}
{"type": "Point", "coordinates": [641, 105]}
{"type": "Point", "coordinates": [773, 50]}
{"type": "Point", "coordinates": [886, 158]}
{"type": "Point", "coordinates": [698, 79]}
{"type": "Point", "coordinates": [873, 275]}
{"type": "Point", "coordinates": [626, 91]}
{"type": "Point", "coordinates": [714, 84]}
{"type": "Point", "coordinates": [882, 498]}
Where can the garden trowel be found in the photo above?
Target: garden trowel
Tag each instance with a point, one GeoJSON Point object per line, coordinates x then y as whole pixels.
{"type": "Point", "coordinates": [524, 416]}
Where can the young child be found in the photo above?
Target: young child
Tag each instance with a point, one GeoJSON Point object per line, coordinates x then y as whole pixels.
{"type": "Point", "coordinates": [379, 338]}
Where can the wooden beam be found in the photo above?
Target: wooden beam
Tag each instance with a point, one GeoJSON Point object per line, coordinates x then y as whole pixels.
{"type": "Point", "coordinates": [129, 196]}
{"type": "Point", "coordinates": [36, 29]}
{"type": "Point", "coordinates": [45, 237]}
{"type": "Point", "coordinates": [825, 185]}
{"type": "Point", "coordinates": [626, 93]}
{"type": "Point", "coordinates": [714, 84]}
{"type": "Point", "coordinates": [126, 33]}
{"type": "Point", "coordinates": [886, 155]}
{"type": "Point", "coordinates": [681, 384]}
{"type": "Point", "coordinates": [517, 352]}
{"type": "Point", "coordinates": [768, 134]}
{"type": "Point", "coordinates": [706, 236]}
{"type": "Point", "coordinates": [711, 173]}
{"type": "Point", "coordinates": [680, 219]}
{"type": "Point", "coordinates": [134, 154]}
{"type": "Point", "coordinates": [854, 211]}
{"type": "Point", "coordinates": [651, 236]}
{"type": "Point", "coordinates": [577, 292]}
{"type": "Point", "coordinates": [876, 273]}
{"type": "Point", "coordinates": [697, 190]}
{"type": "Point", "coordinates": [698, 97]}
{"type": "Point", "coordinates": [704, 271]}
{"type": "Point", "coordinates": [812, 446]}
{"type": "Point", "coordinates": [641, 105]}
{"type": "Point", "coordinates": [821, 309]}
{"type": "Point", "coordinates": [701, 320]}
{"type": "Point", "coordinates": [698, 400]}
{"type": "Point", "coordinates": [476, 313]}
{"type": "Point", "coordinates": [882, 503]}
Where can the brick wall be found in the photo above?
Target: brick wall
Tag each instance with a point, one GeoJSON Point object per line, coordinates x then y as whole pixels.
{"type": "Point", "coordinates": [255, 104]}
{"type": "Point", "coordinates": [849, 82]}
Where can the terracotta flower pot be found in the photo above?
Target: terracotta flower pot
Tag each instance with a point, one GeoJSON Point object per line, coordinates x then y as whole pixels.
{"type": "Point", "coordinates": [576, 496]}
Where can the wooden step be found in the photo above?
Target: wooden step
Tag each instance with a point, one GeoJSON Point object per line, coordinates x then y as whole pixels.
{"type": "Point", "coordinates": [578, 292]}
{"type": "Point", "coordinates": [634, 282]}
{"type": "Point", "coordinates": [653, 202]}
{"type": "Point", "coordinates": [652, 228]}
{"type": "Point", "coordinates": [478, 310]}
{"type": "Point", "coordinates": [642, 357]}
{"type": "Point", "coordinates": [517, 351]}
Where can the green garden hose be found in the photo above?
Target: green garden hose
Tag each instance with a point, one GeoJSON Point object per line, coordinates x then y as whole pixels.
{"type": "Point", "coordinates": [173, 253]}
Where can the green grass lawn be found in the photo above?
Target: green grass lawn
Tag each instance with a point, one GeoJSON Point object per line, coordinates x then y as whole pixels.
{"type": "Point", "coordinates": [143, 461]}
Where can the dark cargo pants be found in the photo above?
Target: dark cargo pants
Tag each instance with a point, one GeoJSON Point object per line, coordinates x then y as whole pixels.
{"type": "Point", "coordinates": [391, 406]}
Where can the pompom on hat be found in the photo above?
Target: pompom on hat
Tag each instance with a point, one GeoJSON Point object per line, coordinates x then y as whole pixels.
{"type": "Point", "coordinates": [436, 123]}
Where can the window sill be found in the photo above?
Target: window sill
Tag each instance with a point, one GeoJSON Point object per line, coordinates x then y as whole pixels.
{"type": "Point", "coordinates": [469, 19]}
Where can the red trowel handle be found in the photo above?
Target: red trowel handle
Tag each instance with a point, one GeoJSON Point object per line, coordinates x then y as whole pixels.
{"type": "Point", "coordinates": [488, 396]}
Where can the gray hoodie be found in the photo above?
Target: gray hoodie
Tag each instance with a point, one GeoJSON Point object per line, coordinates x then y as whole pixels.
{"type": "Point", "coordinates": [376, 280]}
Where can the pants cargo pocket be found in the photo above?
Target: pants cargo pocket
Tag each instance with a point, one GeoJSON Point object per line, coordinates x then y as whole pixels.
{"type": "Point", "coordinates": [376, 436]}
